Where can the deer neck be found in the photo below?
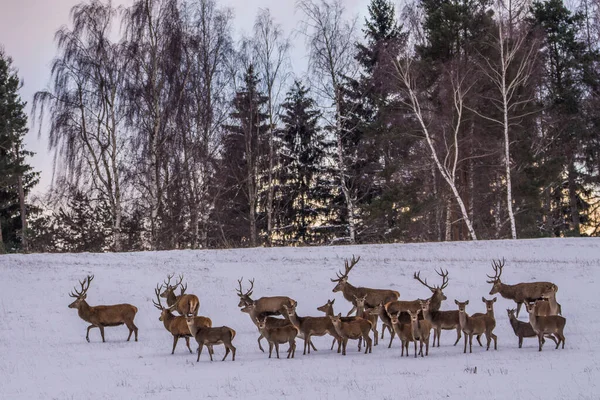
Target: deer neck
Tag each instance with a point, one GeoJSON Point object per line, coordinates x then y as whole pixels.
{"type": "Point", "coordinates": [168, 319]}
{"type": "Point", "coordinates": [514, 324]}
{"type": "Point", "coordinates": [415, 328]}
{"type": "Point", "coordinates": [533, 321]}
{"type": "Point", "coordinates": [171, 298]}
{"type": "Point", "coordinates": [349, 292]}
{"type": "Point", "coordinates": [507, 291]}
{"type": "Point", "coordinates": [84, 310]}
{"type": "Point", "coordinates": [435, 302]}
{"type": "Point", "coordinates": [426, 315]}
{"type": "Point", "coordinates": [490, 313]}
{"type": "Point", "coordinates": [463, 319]}
{"type": "Point", "coordinates": [553, 304]}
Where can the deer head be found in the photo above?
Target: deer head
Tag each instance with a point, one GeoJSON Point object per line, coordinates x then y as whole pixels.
{"type": "Point", "coordinates": [462, 306]}
{"type": "Point", "coordinates": [81, 295]}
{"type": "Point", "coordinates": [342, 279]}
{"type": "Point", "coordinates": [163, 310]}
{"type": "Point", "coordinates": [414, 315]}
{"type": "Point", "coordinates": [489, 304]}
{"type": "Point", "coordinates": [245, 297]}
{"type": "Point", "coordinates": [424, 305]}
{"type": "Point", "coordinates": [360, 301]}
{"type": "Point", "coordinates": [436, 290]}
{"type": "Point", "coordinates": [262, 322]}
{"type": "Point", "coordinates": [495, 280]}
{"type": "Point", "coordinates": [336, 320]}
{"type": "Point", "coordinates": [170, 289]}
{"type": "Point", "coordinates": [327, 306]}
{"type": "Point", "coordinates": [511, 313]}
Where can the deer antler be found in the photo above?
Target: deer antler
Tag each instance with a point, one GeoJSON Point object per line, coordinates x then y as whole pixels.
{"type": "Point", "coordinates": [168, 283]}
{"type": "Point", "coordinates": [497, 266]}
{"type": "Point", "coordinates": [348, 268]}
{"type": "Point", "coordinates": [183, 289]}
{"type": "Point", "coordinates": [85, 285]}
{"type": "Point", "coordinates": [179, 282]}
{"type": "Point", "coordinates": [239, 291]}
{"type": "Point", "coordinates": [444, 276]}
{"type": "Point", "coordinates": [249, 292]}
{"type": "Point", "coordinates": [157, 292]}
{"type": "Point", "coordinates": [417, 276]}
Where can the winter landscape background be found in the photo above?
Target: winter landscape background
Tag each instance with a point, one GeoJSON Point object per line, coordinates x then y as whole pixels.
{"type": "Point", "coordinates": [45, 355]}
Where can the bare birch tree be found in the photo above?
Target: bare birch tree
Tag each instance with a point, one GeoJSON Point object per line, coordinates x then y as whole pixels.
{"type": "Point", "coordinates": [85, 107]}
{"type": "Point", "coordinates": [331, 41]}
{"type": "Point", "coordinates": [446, 163]}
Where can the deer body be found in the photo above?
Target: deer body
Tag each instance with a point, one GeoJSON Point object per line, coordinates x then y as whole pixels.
{"type": "Point", "coordinates": [356, 329]}
{"type": "Point", "coordinates": [552, 324]}
{"type": "Point", "coordinates": [372, 296]}
{"type": "Point", "coordinates": [405, 333]}
{"type": "Point", "coordinates": [361, 312]}
{"type": "Point", "coordinates": [475, 326]}
{"type": "Point", "coordinates": [212, 336]}
{"type": "Point", "coordinates": [327, 308]}
{"type": "Point", "coordinates": [101, 316]}
{"type": "Point", "coordinates": [548, 305]}
{"type": "Point", "coordinates": [521, 292]}
{"type": "Point", "coordinates": [421, 330]}
{"type": "Point", "coordinates": [279, 335]}
{"type": "Point", "coordinates": [523, 329]}
{"type": "Point", "coordinates": [313, 326]}
{"type": "Point", "coordinates": [446, 320]}
{"type": "Point", "coordinates": [489, 311]}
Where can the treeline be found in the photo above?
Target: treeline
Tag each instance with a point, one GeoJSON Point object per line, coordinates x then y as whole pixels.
{"type": "Point", "coordinates": [444, 121]}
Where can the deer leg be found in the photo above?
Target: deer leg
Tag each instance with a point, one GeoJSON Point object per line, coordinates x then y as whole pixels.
{"type": "Point", "coordinates": [478, 340]}
{"type": "Point", "coordinates": [495, 341]}
{"type": "Point", "coordinates": [311, 344]}
{"type": "Point", "coordinates": [540, 337]}
{"type": "Point", "coordinates": [87, 336]}
{"type": "Point", "coordinates": [427, 347]}
{"type": "Point", "coordinates": [415, 342]}
{"type": "Point", "coordinates": [233, 349]}
{"type": "Point", "coordinates": [187, 343]}
{"type": "Point", "coordinates": [101, 332]}
{"type": "Point", "coordinates": [259, 345]}
{"type": "Point", "coordinates": [175, 339]}
{"type": "Point", "coordinates": [270, 349]}
{"type": "Point", "coordinates": [392, 335]}
{"type": "Point", "coordinates": [561, 338]}
{"type": "Point", "coordinates": [421, 347]}
{"type": "Point", "coordinates": [488, 338]}
{"type": "Point", "coordinates": [470, 343]}
{"type": "Point", "coordinates": [344, 343]}
{"type": "Point", "coordinates": [226, 352]}
{"type": "Point", "coordinates": [339, 342]}
{"type": "Point", "coordinates": [306, 344]}
{"type": "Point", "coordinates": [200, 346]}
{"type": "Point", "coordinates": [518, 308]}
{"type": "Point", "coordinates": [351, 311]}
{"type": "Point", "coordinates": [277, 349]}
{"type": "Point", "coordinates": [466, 339]}
{"type": "Point", "coordinates": [132, 328]}
{"type": "Point", "coordinates": [458, 335]}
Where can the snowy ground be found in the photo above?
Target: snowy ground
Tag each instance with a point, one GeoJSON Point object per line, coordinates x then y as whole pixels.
{"type": "Point", "coordinates": [44, 355]}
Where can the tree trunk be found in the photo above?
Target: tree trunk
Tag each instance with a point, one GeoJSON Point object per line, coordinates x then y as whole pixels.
{"type": "Point", "coordinates": [575, 219]}
{"type": "Point", "coordinates": [2, 251]}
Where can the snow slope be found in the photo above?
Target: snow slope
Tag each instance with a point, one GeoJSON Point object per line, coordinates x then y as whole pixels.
{"type": "Point", "coordinates": [44, 355]}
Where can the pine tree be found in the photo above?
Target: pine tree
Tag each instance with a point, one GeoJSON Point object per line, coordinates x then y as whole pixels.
{"type": "Point", "coordinates": [304, 191]}
{"type": "Point", "coordinates": [15, 174]}
{"type": "Point", "coordinates": [243, 164]}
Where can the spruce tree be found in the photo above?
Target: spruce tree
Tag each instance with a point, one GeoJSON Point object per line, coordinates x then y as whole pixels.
{"type": "Point", "coordinates": [14, 170]}
{"type": "Point", "coordinates": [304, 189]}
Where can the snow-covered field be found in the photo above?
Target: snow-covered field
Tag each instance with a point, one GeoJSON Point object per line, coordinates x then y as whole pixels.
{"type": "Point", "coordinates": [44, 355]}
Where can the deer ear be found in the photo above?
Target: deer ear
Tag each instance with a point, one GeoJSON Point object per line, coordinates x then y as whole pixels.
{"type": "Point", "coordinates": [483, 299]}
{"type": "Point", "coordinates": [455, 301]}
{"type": "Point", "coordinates": [466, 302]}
{"type": "Point", "coordinates": [332, 301]}
{"type": "Point", "coordinates": [84, 296]}
{"type": "Point", "coordinates": [339, 315]}
{"type": "Point", "coordinates": [495, 298]}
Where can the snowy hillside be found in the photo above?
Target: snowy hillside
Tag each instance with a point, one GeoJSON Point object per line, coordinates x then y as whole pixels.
{"type": "Point", "coordinates": [44, 354]}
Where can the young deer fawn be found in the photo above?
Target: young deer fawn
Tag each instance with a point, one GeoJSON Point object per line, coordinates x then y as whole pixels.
{"type": "Point", "coordinates": [475, 326]}
{"type": "Point", "coordinates": [279, 335]}
{"type": "Point", "coordinates": [211, 336]}
{"type": "Point", "coordinates": [356, 329]}
{"type": "Point", "coordinates": [404, 332]}
{"type": "Point", "coordinates": [552, 324]}
{"type": "Point", "coordinates": [421, 330]}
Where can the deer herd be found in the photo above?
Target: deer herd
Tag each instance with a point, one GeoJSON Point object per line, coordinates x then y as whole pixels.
{"type": "Point", "coordinates": [277, 321]}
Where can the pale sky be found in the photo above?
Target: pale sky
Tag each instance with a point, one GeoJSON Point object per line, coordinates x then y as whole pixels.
{"type": "Point", "coordinates": [27, 33]}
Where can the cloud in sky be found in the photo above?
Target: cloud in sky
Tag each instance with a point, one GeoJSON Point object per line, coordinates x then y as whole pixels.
{"type": "Point", "coordinates": [27, 30]}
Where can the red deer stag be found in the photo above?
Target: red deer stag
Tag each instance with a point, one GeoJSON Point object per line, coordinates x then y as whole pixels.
{"type": "Point", "coordinates": [184, 304]}
{"type": "Point", "coordinates": [265, 305]}
{"type": "Point", "coordinates": [177, 325]}
{"type": "Point", "coordinates": [446, 320]}
{"type": "Point", "coordinates": [101, 316]}
{"type": "Point", "coordinates": [521, 292]}
{"type": "Point", "coordinates": [552, 324]}
{"type": "Point", "coordinates": [475, 326]}
{"type": "Point", "coordinates": [374, 296]}
{"type": "Point", "coordinates": [435, 301]}
{"type": "Point", "coordinates": [211, 336]}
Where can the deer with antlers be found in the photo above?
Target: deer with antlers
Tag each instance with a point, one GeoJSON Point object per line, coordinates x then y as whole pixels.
{"type": "Point", "coordinates": [265, 305]}
{"type": "Point", "coordinates": [101, 316]}
{"type": "Point", "coordinates": [177, 325]}
{"type": "Point", "coordinates": [373, 296]}
{"type": "Point", "coordinates": [184, 304]}
{"type": "Point", "coordinates": [435, 301]}
{"type": "Point", "coordinates": [521, 292]}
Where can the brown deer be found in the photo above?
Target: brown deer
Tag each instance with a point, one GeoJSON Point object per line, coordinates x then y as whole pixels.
{"type": "Point", "coordinates": [421, 330]}
{"type": "Point", "coordinates": [271, 322]}
{"type": "Point", "coordinates": [279, 335]}
{"type": "Point", "coordinates": [264, 305]}
{"type": "Point", "coordinates": [548, 305]}
{"type": "Point", "coordinates": [184, 304]}
{"type": "Point", "coordinates": [521, 292]}
{"type": "Point", "coordinates": [446, 320]}
{"type": "Point", "coordinates": [404, 332]}
{"type": "Point", "coordinates": [435, 301]}
{"type": "Point", "coordinates": [327, 308]}
{"type": "Point", "coordinates": [523, 329]}
{"type": "Point", "coordinates": [312, 326]}
{"type": "Point", "coordinates": [552, 324]}
{"type": "Point", "coordinates": [177, 325]}
{"type": "Point", "coordinates": [489, 307]}
{"type": "Point", "coordinates": [386, 321]}
{"type": "Point", "coordinates": [363, 313]}
{"type": "Point", "coordinates": [211, 336]}
{"type": "Point", "coordinates": [374, 296]}
{"type": "Point", "coordinates": [101, 316]}
{"type": "Point", "coordinates": [356, 329]}
{"type": "Point", "coordinates": [475, 326]}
